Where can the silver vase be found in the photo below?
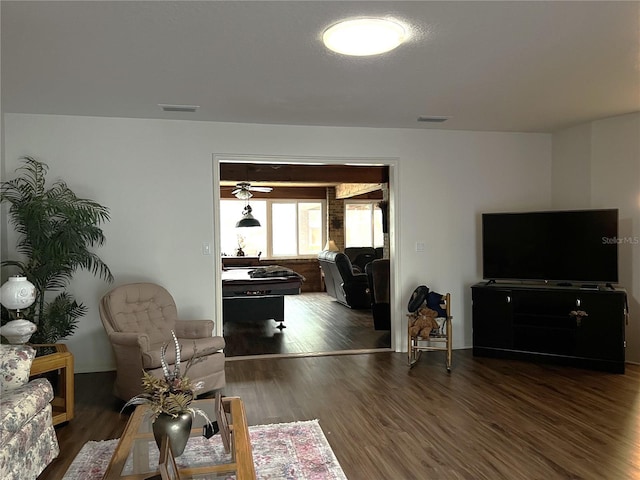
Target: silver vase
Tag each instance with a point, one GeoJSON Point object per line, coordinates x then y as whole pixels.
{"type": "Point", "coordinates": [177, 429]}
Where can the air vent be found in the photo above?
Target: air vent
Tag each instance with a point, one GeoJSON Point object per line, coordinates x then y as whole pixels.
{"type": "Point", "coordinates": [178, 108]}
{"type": "Point", "coordinates": [431, 119]}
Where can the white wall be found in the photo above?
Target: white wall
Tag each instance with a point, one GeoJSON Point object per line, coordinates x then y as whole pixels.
{"type": "Point", "coordinates": [156, 177]}
{"type": "Point", "coordinates": [607, 176]}
{"type": "Point", "coordinates": [571, 176]}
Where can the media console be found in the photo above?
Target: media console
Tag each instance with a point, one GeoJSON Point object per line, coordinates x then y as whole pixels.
{"type": "Point", "coordinates": [575, 326]}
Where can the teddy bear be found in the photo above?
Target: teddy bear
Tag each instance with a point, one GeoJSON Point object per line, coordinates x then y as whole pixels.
{"type": "Point", "coordinates": [423, 322]}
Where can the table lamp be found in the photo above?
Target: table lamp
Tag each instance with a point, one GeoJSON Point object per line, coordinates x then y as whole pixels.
{"type": "Point", "coordinates": [17, 293]}
{"type": "Point", "coordinates": [331, 246]}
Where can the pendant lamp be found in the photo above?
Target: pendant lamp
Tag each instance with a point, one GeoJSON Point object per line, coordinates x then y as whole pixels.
{"type": "Point", "coordinates": [247, 219]}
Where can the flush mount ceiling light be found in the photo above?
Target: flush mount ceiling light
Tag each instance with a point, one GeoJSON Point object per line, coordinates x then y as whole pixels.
{"type": "Point", "coordinates": [364, 36]}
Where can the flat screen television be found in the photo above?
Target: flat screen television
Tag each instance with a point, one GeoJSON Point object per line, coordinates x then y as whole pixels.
{"type": "Point", "coordinates": [557, 246]}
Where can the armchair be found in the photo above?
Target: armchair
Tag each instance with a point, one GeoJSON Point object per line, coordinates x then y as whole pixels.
{"type": "Point", "coordinates": [349, 288]}
{"type": "Point", "coordinates": [138, 319]}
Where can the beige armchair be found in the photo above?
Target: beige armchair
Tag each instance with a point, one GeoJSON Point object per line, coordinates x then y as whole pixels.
{"type": "Point", "coordinates": [138, 319]}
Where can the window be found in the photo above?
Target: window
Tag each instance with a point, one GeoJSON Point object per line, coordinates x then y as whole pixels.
{"type": "Point", "coordinates": [284, 227]}
{"type": "Point", "coordinates": [363, 224]}
{"type": "Point", "coordinates": [289, 228]}
{"type": "Point", "coordinates": [252, 240]}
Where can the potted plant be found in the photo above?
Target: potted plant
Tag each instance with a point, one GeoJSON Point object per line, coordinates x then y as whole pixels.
{"type": "Point", "coordinates": [169, 399]}
{"type": "Point", "coordinates": [56, 232]}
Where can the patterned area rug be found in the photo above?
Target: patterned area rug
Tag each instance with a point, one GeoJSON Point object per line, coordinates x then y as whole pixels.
{"type": "Point", "coordinates": [291, 451]}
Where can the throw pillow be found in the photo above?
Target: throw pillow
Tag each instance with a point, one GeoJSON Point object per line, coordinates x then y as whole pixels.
{"type": "Point", "coordinates": [15, 365]}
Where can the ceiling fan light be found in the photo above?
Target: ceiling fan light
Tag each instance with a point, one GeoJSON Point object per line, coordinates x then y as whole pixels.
{"type": "Point", "coordinates": [364, 36]}
{"type": "Point", "coordinates": [243, 194]}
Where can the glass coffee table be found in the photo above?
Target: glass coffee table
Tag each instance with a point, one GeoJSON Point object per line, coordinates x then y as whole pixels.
{"type": "Point", "coordinates": [137, 455]}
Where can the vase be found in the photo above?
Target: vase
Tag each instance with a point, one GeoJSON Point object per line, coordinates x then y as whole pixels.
{"type": "Point", "coordinates": [176, 428]}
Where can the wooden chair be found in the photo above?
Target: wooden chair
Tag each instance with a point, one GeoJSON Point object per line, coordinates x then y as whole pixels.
{"type": "Point", "coordinates": [439, 340]}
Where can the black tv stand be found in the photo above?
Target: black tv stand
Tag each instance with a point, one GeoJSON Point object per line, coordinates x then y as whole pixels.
{"type": "Point", "coordinates": [569, 325]}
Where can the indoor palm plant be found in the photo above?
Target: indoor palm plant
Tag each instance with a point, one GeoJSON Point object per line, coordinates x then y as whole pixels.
{"type": "Point", "coordinates": [169, 399]}
{"type": "Point", "coordinates": [56, 230]}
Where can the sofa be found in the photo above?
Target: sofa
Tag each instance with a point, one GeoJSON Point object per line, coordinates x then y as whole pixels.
{"type": "Point", "coordinates": [28, 441]}
{"type": "Point", "coordinates": [346, 286]}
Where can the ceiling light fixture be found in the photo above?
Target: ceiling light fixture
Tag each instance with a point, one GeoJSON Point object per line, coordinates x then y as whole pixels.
{"type": "Point", "coordinates": [364, 36]}
{"type": "Point", "coordinates": [247, 220]}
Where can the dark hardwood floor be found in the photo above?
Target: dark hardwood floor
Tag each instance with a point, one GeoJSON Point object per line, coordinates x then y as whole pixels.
{"type": "Point", "coordinates": [315, 323]}
{"type": "Point", "coordinates": [487, 419]}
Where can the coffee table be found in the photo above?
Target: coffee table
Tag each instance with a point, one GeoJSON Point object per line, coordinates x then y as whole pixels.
{"type": "Point", "coordinates": [136, 456]}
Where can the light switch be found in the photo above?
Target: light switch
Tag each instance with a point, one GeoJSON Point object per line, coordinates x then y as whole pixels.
{"type": "Point", "coordinates": [419, 246]}
{"type": "Point", "coordinates": [206, 248]}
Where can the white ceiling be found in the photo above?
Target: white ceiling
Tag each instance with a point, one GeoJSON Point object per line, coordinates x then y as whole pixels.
{"type": "Point", "coordinates": [505, 66]}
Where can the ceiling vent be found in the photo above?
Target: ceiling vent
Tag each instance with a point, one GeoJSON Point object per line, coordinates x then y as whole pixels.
{"type": "Point", "coordinates": [178, 108]}
{"type": "Point", "coordinates": [432, 119]}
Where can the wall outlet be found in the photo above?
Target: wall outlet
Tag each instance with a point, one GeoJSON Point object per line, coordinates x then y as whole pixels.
{"type": "Point", "coordinates": [419, 246]}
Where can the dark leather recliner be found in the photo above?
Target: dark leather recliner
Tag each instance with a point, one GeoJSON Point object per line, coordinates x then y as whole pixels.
{"type": "Point", "coordinates": [379, 274]}
{"type": "Point", "coordinates": [349, 288]}
{"type": "Point", "coordinates": [361, 256]}
{"type": "Point", "coordinates": [353, 252]}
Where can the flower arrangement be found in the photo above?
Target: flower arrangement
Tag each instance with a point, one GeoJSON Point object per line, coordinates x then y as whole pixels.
{"type": "Point", "coordinates": [241, 244]}
{"type": "Point", "coordinates": [171, 395]}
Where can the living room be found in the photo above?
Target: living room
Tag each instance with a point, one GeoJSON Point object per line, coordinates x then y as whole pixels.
{"type": "Point", "coordinates": [158, 174]}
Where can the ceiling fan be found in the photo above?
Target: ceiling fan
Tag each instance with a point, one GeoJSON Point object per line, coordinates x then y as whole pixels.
{"type": "Point", "coordinates": [243, 190]}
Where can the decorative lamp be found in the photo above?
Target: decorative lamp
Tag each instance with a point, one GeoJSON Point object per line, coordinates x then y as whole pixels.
{"type": "Point", "coordinates": [331, 246]}
{"type": "Point", "coordinates": [17, 293]}
{"type": "Point", "coordinates": [247, 219]}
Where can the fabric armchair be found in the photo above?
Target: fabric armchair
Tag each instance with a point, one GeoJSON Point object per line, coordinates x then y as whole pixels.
{"type": "Point", "coordinates": [138, 319]}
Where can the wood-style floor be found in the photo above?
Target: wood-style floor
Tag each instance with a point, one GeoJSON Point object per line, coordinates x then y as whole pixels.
{"type": "Point", "coordinates": [315, 323]}
{"type": "Point", "coordinates": [487, 419]}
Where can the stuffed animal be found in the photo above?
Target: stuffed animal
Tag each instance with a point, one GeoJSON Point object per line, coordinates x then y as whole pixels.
{"type": "Point", "coordinates": [423, 322]}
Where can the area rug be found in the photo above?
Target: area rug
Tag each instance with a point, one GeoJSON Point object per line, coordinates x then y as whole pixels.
{"type": "Point", "coordinates": [291, 451]}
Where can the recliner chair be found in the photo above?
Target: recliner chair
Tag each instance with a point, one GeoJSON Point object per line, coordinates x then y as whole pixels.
{"type": "Point", "coordinates": [138, 319]}
{"type": "Point", "coordinates": [349, 288]}
{"type": "Point", "coordinates": [378, 274]}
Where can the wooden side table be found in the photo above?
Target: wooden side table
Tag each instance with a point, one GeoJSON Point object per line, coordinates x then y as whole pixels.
{"type": "Point", "coordinates": [61, 360]}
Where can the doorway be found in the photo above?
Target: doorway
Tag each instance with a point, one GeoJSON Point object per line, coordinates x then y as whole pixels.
{"type": "Point", "coordinates": [315, 324]}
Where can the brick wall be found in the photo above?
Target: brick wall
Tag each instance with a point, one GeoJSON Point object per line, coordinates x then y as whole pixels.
{"type": "Point", "coordinates": [335, 218]}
